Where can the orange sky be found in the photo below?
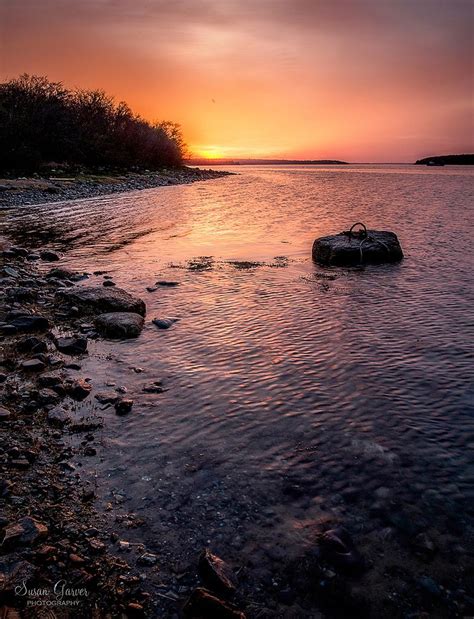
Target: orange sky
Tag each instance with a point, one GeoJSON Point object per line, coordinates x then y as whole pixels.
{"type": "Point", "coordinates": [360, 80]}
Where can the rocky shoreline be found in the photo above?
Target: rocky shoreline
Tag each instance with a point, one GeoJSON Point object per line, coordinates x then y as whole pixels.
{"type": "Point", "coordinates": [58, 550]}
{"type": "Point", "coordinates": [38, 190]}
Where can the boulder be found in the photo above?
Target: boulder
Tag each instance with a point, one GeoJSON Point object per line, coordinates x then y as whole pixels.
{"type": "Point", "coordinates": [119, 324]}
{"type": "Point", "coordinates": [362, 247]}
{"type": "Point", "coordinates": [100, 300]}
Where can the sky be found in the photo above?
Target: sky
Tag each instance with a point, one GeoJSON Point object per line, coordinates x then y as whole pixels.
{"type": "Point", "coordinates": [358, 80]}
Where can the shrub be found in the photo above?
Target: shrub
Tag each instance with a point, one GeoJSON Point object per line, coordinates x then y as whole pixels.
{"type": "Point", "coordinates": [43, 122]}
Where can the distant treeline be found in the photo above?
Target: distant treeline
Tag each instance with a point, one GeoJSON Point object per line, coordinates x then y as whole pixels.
{"type": "Point", "coordinates": [447, 160]}
{"type": "Point", "coordinates": [197, 161]}
{"type": "Point", "coordinates": [45, 125]}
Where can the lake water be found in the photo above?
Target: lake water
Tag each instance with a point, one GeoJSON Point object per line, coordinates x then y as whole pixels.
{"type": "Point", "coordinates": [294, 392]}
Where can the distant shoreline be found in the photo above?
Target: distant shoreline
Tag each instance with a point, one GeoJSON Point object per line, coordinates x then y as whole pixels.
{"type": "Point", "coordinates": [444, 159]}
{"type": "Point", "coordinates": [265, 162]}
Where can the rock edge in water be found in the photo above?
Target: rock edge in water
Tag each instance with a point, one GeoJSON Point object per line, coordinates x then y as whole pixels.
{"type": "Point", "coordinates": [349, 249]}
{"type": "Point", "coordinates": [119, 325]}
{"type": "Point", "coordinates": [97, 299]}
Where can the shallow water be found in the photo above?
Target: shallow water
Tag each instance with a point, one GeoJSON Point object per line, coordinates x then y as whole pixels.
{"type": "Point", "coordinates": [292, 389]}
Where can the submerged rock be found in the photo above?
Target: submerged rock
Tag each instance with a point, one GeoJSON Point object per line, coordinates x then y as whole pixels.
{"type": "Point", "coordinates": [58, 417]}
{"type": "Point", "coordinates": [78, 389]}
{"type": "Point", "coordinates": [167, 283]}
{"type": "Point", "coordinates": [122, 407]}
{"type": "Point", "coordinates": [216, 573]}
{"type": "Point", "coordinates": [49, 256]}
{"type": "Point", "coordinates": [338, 549]}
{"type": "Point", "coordinates": [106, 397]}
{"type": "Point", "coordinates": [164, 323]}
{"type": "Point", "coordinates": [100, 300]}
{"type": "Point", "coordinates": [119, 324]}
{"type": "Point", "coordinates": [62, 273]}
{"type": "Point", "coordinates": [362, 247]}
{"type": "Point", "coordinates": [155, 387]}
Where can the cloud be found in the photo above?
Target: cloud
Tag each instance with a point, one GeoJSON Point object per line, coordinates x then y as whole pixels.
{"type": "Point", "coordinates": [284, 71]}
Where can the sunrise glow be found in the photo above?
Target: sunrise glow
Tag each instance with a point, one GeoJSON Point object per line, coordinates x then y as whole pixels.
{"type": "Point", "coordinates": [360, 80]}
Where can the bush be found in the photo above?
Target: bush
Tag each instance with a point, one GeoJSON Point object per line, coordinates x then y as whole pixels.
{"type": "Point", "coordinates": [43, 122]}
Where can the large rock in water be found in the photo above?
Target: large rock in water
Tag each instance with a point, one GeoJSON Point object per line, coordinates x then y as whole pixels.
{"type": "Point", "coordinates": [119, 325]}
{"type": "Point", "coordinates": [100, 300]}
{"type": "Point", "coordinates": [352, 248]}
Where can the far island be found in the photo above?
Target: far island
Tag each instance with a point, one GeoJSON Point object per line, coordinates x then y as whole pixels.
{"type": "Point", "coordinates": [441, 160]}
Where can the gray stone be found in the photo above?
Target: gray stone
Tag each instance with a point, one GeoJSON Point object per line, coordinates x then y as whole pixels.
{"type": "Point", "coordinates": [48, 396]}
{"type": "Point", "coordinates": [49, 256]}
{"type": "Point", "coordinates": [167, 283]}
{"type": "Point", "coordinates": [33, 365]}
{"type": "Point", "coordinates": [106, 397]}
{"type": "Point", "coordinates": [62, 273]}
{"type": "Point", "coordinates": [58, 417]}
{"type": "Point", "coordinates": [20, 251]}
{"type": "Point", "coordinates": [147, 558]}
{"type": "Point", "coordinates": [122, 407]}
{"type": "Point", "coordinates": [348, 249]}
{"type": "Point", "coordinates": [119, 324]}
{"type": "Point", "coordinates": [78, 389]}
{"type": "Point", "coordinates": [4, 414]}
{"type": "Point", "coordinates": [49, 380]}
{"type": "Point", "coordinates": [155, 387]}
{"type": "Point", "coordinates": [30, 324]}
{"type": "Point", "coordinates": [100, 300]}
{"type": "Point", "coordinates": [31, 344]}
{"type": "Point", "coordinates": [164, 323]}
{"type": "Point", "coordinates": [72, 345]}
